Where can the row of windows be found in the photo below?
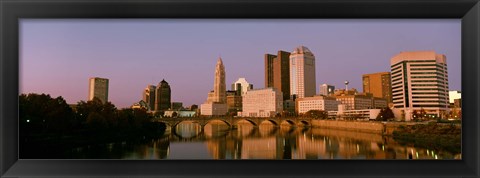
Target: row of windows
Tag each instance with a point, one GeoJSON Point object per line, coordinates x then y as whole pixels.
{"type": "Point", "coordinates": [424, 81]}
{"type": "Point", "coordinates": [393, 88]}
{"type": "Point", "coordinates": [425, 97]}
{"type": "Point", "coordinates": [393, 69]}
{"type": "Point", "coordinates": [416, 61]}
{"type": "Point", "coordinates": [425, 89]}
{"type": "Point", "coordinates": [433, 106]}
{"type": "Point", "coordinates": [396, 83]}
{"type": "Point", "coordinates": [427, 101]}
{"type": "Point", "coordinates": [398, 75]}
{"type": "Point", "coordinates": [429, 93]}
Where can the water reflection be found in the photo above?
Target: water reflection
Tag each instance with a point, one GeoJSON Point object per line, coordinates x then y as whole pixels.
{"type": "Point", "coordinates": [265, 141]}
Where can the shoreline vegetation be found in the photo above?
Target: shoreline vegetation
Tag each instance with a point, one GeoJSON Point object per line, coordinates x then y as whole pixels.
{"type": "Point", "coordinates": [437, 136]}
{"type": "Point", "coordinates": [49, 127]}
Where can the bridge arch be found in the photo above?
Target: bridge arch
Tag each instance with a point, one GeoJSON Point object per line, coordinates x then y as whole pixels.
{"type": "Point", "coordinates": [222, 120]}
{"type": "Point", "coordinates": [248, 120]}
{"type": "Point", "coordinates": [304, 122]}
{"type": "Point", "coordinates": [270, 121]}
{"type": "Point", "coordinates": [288, 121]}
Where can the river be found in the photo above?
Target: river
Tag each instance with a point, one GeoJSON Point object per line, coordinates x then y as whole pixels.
{"type": "Point", "coordinates": [267, 141]}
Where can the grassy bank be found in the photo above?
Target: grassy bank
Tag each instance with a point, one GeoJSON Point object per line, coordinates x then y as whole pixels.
{"type": "Point", "coordinates": [435, 136]}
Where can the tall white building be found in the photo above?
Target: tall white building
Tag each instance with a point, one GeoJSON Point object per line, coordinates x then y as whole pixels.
{"type": "Point", "coordinates": [318, 102]}
{"type": "Point", "coordinates": [302, 72]}
{"type": "Point", "coordinates": [242, 85]}
{"type": "Point", "coordinates": [98, 88]}
{"type": "Point", "coordinates": [262, 103]}
{"type": "Point", "coordinates": [419, 81]}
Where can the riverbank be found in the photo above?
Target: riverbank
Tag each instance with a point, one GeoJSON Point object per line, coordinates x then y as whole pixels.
{"type": "Point", "coordinates": [52, 146]}
{"type": "Point", "coordinates": [359, 126]}
{"type": "Point", "coordinates": [433, 135]}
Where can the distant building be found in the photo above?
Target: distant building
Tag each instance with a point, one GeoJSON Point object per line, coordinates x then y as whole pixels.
{"type": "Point", "coordinates": [302, 72]}
{"type": "Point", "coordinates": [420, 81]}
{"type": "Point", "coordinates": [454, 95]}
{"type": "Point", "coordinates": [234, 101]}
{"type": "Point", "coordinates": [216, 104]}
{"type": "Point", "coordinates": [262, 103]}
{"type": "Point", "coordinates": [170, 113]}
{"type": "Point", "coordinates": [98, 88]}
{"type": "Point", "coordinates": [241, 86]}
{"type": "Point", "coordinates": [141, 105]}
{"type": "Point", "coordinates": [360, 114]}
{"type": "Point", "coordinates": [353, 100]}
{"type": "Point", "coordinates": [277, 72]}
{"type": "Point", "coordinates": [163, 96]}
{"type": "Point", "coordinates": [327, 90]}
{"type": "Point", "coordinates": [378, 84]}
{"type": "Point", "coordinates": [319, 102]}
{"type": "Point", "coordinates": [176, 106]}
{"type": "Point", "coordinates": [149, 96]}
{"type": "Point", "coordinates": [213, 109]}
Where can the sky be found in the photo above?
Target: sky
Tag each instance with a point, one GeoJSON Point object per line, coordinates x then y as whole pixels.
{"type": "Point", "coordinates": [58, 56]}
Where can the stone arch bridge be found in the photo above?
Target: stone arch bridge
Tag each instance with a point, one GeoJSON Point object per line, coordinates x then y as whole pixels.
{"type": "Point", "coordinates": [233, 121]}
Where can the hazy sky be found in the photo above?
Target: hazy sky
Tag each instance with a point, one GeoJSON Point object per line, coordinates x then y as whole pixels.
{"type": "Point", "coordinates": [58, 56]}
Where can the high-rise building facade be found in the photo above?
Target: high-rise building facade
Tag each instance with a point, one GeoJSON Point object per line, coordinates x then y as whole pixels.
{"type": "Point", "coordinates": [219, 86]}
{"type": "Point", "coordinates": [162, 96]}
{"type": "Point", "coordinates": [262, 103]}
{"type": "Point", "coordinates": [98, 88]}
{"type": "Point", "coordinates": [378, 84]}
{"type": "Point", "coordinates": [419, 81]}
{"type": "Point", "coordinates": [277, 72]}
{"type": "Point", "coordinates": [241, 86]}
{"type": "Point", "coordinates": [216, 103]}
{"type": "Point", "coordinates": [327, 90]}
{"type": "Point", "coordinates": [302, 73]}
{"type": "Point", "coordinates": [149, 96]}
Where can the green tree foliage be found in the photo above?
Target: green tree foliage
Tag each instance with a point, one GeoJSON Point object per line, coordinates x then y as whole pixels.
{"type": "Point", "coordinates": [316, 114]}
{"type": "Point", "coordinates": [385, 114]}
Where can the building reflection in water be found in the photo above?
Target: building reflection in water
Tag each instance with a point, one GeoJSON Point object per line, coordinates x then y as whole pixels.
{"type": "Point", "coordinates": [266, 141]}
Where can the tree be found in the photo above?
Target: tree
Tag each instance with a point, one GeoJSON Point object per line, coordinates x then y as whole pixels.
{"type": "Point", "coordinates": [385, 114]}
{"type": "Point", "coordinates": [96, 122]}
{"type": "Point", "coordinates": [174, 114]}
{"type": "Point", "coordinates": [316, 114]}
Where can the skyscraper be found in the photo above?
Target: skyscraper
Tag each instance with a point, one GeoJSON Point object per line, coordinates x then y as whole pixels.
{"type": "Point", "coordinates": [302, 72]}
{"type": "Point", "coordinates": [149, 96]}
{"type": "Point", "coordinates": [419, 81]}
{"type": "Point", "coordinates": [216, 103]}
{"type": "Point", "coordinates": [162, 96]}
{"type": "Point", "coordinates": [98, 88]}
{"type": "Point", "coordinates": [326, 89]}
{"type": "Point", "coordinates": [277, 72]}
{"type": "Point", "coordinates": [378, 84]}
{"type": "Point", "coordinates": [219, 86]}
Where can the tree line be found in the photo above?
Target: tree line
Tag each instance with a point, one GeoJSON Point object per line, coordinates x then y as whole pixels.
{"type": "Point", "coordinates": [46, 121]}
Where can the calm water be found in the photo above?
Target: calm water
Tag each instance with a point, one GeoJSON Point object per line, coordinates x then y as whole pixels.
{"type": "Point", "coordinates": [267, 141]}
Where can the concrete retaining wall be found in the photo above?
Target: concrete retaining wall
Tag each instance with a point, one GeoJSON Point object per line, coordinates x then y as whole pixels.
{"type": "Point", "coordinates": [371, 127]}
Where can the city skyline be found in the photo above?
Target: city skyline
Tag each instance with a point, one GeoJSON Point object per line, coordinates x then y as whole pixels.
{"type": "Point", "coordinates": [135, 53]}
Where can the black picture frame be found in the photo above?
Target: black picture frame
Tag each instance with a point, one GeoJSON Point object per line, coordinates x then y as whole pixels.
{"type": "Point", "coordinates": [13, 10]}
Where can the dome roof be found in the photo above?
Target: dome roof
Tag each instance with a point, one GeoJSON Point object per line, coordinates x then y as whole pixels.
{"type": "Point", "coordinates": [301, 50]}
